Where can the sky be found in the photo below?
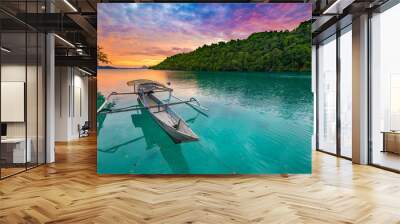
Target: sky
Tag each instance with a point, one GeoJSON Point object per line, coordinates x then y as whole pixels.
{"type": "Point", "coordinates": [144, 34]}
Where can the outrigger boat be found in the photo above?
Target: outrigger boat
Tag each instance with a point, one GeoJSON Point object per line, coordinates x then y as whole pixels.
{"type": "Point", "coordinates": [161, 112]}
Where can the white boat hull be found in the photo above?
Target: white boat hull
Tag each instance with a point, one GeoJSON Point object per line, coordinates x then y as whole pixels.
{"type": "Point", "coordinates": [168, 120]}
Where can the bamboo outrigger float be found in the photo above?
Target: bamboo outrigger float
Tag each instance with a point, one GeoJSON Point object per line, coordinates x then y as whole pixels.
{"type": "Point", "coordinates": [161, 112]}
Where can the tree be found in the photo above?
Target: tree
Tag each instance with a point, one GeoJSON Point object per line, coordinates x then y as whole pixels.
{"type": "Point", "coordinates": [101, 56]}
{"type": "Point", "coordinates": [263, 51]}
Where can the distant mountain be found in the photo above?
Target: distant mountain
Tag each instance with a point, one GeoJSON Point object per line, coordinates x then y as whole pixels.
{"type": "Point", "coordinates": [106, 67]}
{"type": "Point", "coordinates": [112, 67]}
{"type": "Point", "coordinates": [264, 51]}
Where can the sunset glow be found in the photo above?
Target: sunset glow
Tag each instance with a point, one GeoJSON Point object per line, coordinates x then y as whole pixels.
{"type": "Point", "coordinates": [144, 34]}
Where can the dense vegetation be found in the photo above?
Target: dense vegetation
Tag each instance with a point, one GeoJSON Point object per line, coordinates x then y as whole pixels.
{"type": "Point", "coordinates": [101, 99]}
{"type": "Point", "coordinates": [264, 51]}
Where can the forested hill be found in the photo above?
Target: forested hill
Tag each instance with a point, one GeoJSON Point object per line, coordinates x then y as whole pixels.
{"type": "Point", "coordinates": [264, 51]}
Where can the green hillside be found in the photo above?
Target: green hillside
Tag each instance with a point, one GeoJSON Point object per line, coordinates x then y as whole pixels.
{"type": "Point", "coordinates": [264, 51]}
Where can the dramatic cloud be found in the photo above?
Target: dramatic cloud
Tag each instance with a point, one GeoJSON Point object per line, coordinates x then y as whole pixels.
{"type": "Point", "coordinates": [136, 34]}
{"type": "Point", "coordinates": [154, 51]}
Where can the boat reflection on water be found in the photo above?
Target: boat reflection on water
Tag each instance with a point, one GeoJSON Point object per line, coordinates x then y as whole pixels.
{"type": "Point", "coordinates": [155, 137]}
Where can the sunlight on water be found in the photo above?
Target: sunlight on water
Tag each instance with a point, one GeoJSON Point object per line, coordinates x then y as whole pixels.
{"type": "Point", "coordinates": [257, 123]}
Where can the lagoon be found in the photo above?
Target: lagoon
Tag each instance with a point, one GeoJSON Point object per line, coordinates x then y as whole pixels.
{"type": "Point", "coordinates": [257, 123]}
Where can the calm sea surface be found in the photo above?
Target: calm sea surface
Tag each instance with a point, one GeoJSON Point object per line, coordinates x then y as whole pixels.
{"type": "Point", "coordinates": [257, 123]}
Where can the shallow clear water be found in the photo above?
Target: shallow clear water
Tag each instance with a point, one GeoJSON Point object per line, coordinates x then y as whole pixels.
{"type": "Point", "coordinates": [257, 123]}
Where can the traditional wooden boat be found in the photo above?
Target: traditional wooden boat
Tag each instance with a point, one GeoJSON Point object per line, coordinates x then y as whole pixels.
{"type": "Point", "coordinates": [161, 112]}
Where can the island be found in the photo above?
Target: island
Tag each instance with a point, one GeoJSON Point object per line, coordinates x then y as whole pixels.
{"type": "Point", "coordinates": [263, 51]}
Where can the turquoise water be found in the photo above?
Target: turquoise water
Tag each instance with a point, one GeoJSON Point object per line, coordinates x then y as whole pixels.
{"type": "Point", "coordinates": [257, 123]}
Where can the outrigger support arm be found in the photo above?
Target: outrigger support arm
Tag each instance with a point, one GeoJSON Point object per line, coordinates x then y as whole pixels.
{"type": "Point", "coordinates": [189, 102]}
{"type": "Point", "coordinates": [137, 107]}
{"type": "Point", "coordinates": [196, 106]}
{"type": "Point", "coordinates": [110, 95]}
